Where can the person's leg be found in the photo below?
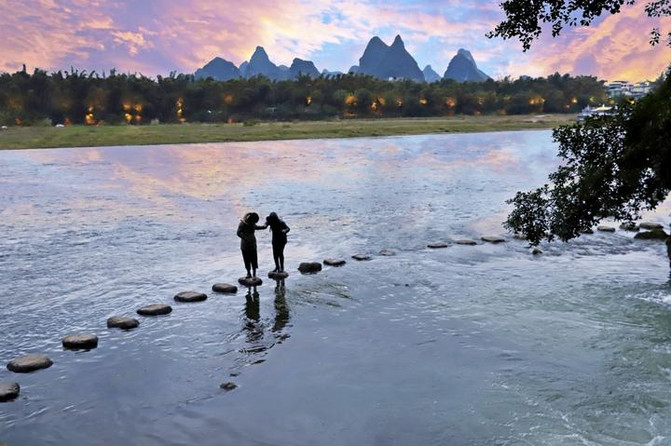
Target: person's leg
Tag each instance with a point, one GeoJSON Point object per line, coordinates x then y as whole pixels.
{"type": "Point", "coordinates": [254, 261]}
{"type": "Point", "coordinates": [280, 254]}
{"type": "Point", "coordinates": [276, 257]}
{"type": "Point", "coordinates": [247, 260]}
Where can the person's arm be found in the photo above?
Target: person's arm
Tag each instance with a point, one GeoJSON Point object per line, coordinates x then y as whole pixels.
{"type": "Point", "coordinates": [286, 228]}
{"type": "Point", "coordinates": [240, 230]}
{"type": "Point", "coordinates": [261, 227]}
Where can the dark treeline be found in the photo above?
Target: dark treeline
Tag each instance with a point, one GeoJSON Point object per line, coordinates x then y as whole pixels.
{"type": "Point", "coordinates": [78, 97]}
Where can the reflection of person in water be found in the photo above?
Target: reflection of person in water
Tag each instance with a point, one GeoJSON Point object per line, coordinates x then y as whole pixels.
{"type": "Point", "coordinates": [253, 314]}
{"type": "Point", "coordinates": [279, 229]}
{"type": "Point", "coordinates": [281, 307]}
{"type": "Point", "coordinates": [246, 230]}
{"type": "Point", "coordinates": [252, 307]}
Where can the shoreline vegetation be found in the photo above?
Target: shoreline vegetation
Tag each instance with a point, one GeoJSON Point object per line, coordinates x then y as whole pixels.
{"type": "Point", "coordinates": [37, 137]}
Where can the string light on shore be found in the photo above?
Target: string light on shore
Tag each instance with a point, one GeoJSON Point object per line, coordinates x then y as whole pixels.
{"type": "Point", "coordinates": [180, 110]}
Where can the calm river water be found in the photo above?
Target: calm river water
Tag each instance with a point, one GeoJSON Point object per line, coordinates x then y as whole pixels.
{"type": "Point", "coordinates": [468, 345]}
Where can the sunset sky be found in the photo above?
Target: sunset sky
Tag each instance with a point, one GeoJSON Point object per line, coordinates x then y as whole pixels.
{"type": "Point", "coordinates": [159, 36]}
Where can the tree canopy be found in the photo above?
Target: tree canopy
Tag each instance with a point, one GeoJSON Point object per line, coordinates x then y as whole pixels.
{"type": "Point", "coordinates": [611, 167]}
{"type": "Point", "coordinates": [525, 18]}
{"type": "Point", "coordinates": [87, 98]}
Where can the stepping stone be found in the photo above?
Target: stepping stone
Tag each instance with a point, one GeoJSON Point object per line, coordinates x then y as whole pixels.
{"type": "Point", "coordinates": [334, 262]}
{"type": "Point", "coordinates": [650, 226]}
{"type": "Point", "coordinates": [629, 226]}
{"type": "Point", "coordinates": [154, 310]}
{"type": "Point", "coordinates": [278, 275]}
{"type": "Point", "coordinates": [604, 228]}
{"type": "Point", "coordinates": [190, 296]}
{"type": "Point", "coordinates": [9, 391]}
{"type": "Point", "coordinates": [80, 342]}
{"type": "Point", "coordinates": [437, 245]}
{"type": "Point", "coordinates": [361, 257]}
{"type": "Point", "coordinates": [536, 252]}
{"type": "Point", "coordinates": [655, 234]}
{"type": "Point", "coordinates": [492, 239]}
{"type": "Point", "coordinates": [310, 267]}
{"type": "Point", "coordinates": [250, 281]}
{"type": "Point", "coordinates": [519, 237]}
{"type": "Point", "coordinates": [387, 252]}
{"type": "Point", "coordinates": [228, 386]}
{"type": "Point", "coordinates": [125, 323]}
{"type": "Point", "coordinates": [29, 363]}
{"type": "Point", "coordinates": [587, 232]}
{"type": "Point", "coordinates": [224, 288]}
{"type": "Point", "coordinates": [466, 242]}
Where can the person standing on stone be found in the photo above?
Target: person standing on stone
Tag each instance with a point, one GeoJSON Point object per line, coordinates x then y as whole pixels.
{"type": "Point", "coordinates": [246, 230]}
{"type": "Point", "coordinates": [279, 229]}
{"type": "Point", "coordinates": [668, 249]}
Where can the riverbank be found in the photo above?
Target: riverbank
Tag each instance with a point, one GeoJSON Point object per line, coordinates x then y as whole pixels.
{"type": "Point", "coordinates": [121, 135]}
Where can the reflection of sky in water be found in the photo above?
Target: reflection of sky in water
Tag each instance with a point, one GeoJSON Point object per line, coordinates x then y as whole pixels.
{"type": "Point", "coordinates": [396, 348]}
{"type": "Point", "coordinates": [223, 181]}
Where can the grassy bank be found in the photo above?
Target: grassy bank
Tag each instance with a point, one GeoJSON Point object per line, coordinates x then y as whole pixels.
{"type": "Point", "coordinates": [117, 135]}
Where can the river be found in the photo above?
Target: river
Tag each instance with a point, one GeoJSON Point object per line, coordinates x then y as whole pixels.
{"type": "Point", "coordinates": [468, 345]}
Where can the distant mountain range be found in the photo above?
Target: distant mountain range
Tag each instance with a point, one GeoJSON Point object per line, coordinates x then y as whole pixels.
{"type": "Point", "coordinates": [378, 59]}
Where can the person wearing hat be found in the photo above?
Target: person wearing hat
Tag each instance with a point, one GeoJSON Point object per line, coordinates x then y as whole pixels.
{"type": "Point", "coordinates": [246, 230]}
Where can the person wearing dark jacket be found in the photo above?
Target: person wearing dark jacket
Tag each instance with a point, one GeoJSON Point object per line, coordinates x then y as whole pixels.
{"type": "Point", "coordinates": [668, 249]}
{"type": "Point", "coordinates": [246, 230]}
{"type": "Point", "coordinates": [279, 229]}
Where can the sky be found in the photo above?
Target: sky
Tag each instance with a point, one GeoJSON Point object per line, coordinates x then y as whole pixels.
{"type": "Point", "coordinates": [155, 37]}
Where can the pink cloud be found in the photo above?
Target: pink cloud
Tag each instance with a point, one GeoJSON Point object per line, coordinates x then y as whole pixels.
{"type": "Point", "coordinates": [133, 41]}
{"type": "Point", "coordinates": [159, 36]}
{"type": "Point", "coordinates": [616, 48]}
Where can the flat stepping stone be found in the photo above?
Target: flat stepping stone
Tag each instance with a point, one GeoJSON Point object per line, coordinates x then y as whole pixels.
{"type": "Point", "coordinates": [587, 232]}
{"type": "Point", "coordinates": [387, 252]}
{"type": "Point", "coordinates": [466, 242]}
{"type": "Point", "coordinates": [29, 363]}
{"type": "Point", "coordinates": [228, 386]}
{"type": "Point", "coordinates": [437, 245]}
{"type": "Point", "coordinates": [361, 257]}
{"type": "Point", "coordinates": [9, 391]}
{"type": "Point", "coordinates": [519, 237]}
{"type": "Point", "coordinates": [80, 342]}
{"type": "Point", "coordinates": [125, 323]}
{"type": "Point", "coordinates": [224, 288]}
{"type": "Point", "coordinates": [536, 252]}
{"type": "Point", "coordinates": [250, 281]}
{"type": "Point", "coordinates": [655, 234]}
{"type": "Point", "coordinates": [630, 226]}
{"type": "Point", "coordinates": [278, 275]}
{"type": "Point", "coordinates": [334, 262]}
{"type": "Point", "coordinates": [309, 267]}
{"type": "Point", "coordinates": [190, 296]}
{"type": "Point", "coordinates": [492, 239]}
{"type": "Point", "coordinates": [649, 226]}
{"type": "Point", "coordinates": [604, 228]}
{"type": "Point", "coordinates": [154, 310]}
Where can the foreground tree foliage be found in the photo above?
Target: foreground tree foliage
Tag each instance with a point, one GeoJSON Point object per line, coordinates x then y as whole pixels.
{"type": "Point", "coordinates": [525, 18]}
{"type": "Point", "coordinates": [88, 98]}
{"type": "Point", "coordinates": [612, 167]}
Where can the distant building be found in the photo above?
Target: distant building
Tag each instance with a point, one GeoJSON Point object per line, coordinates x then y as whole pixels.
{"type": "Point", "coordinates": [618, 89]}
